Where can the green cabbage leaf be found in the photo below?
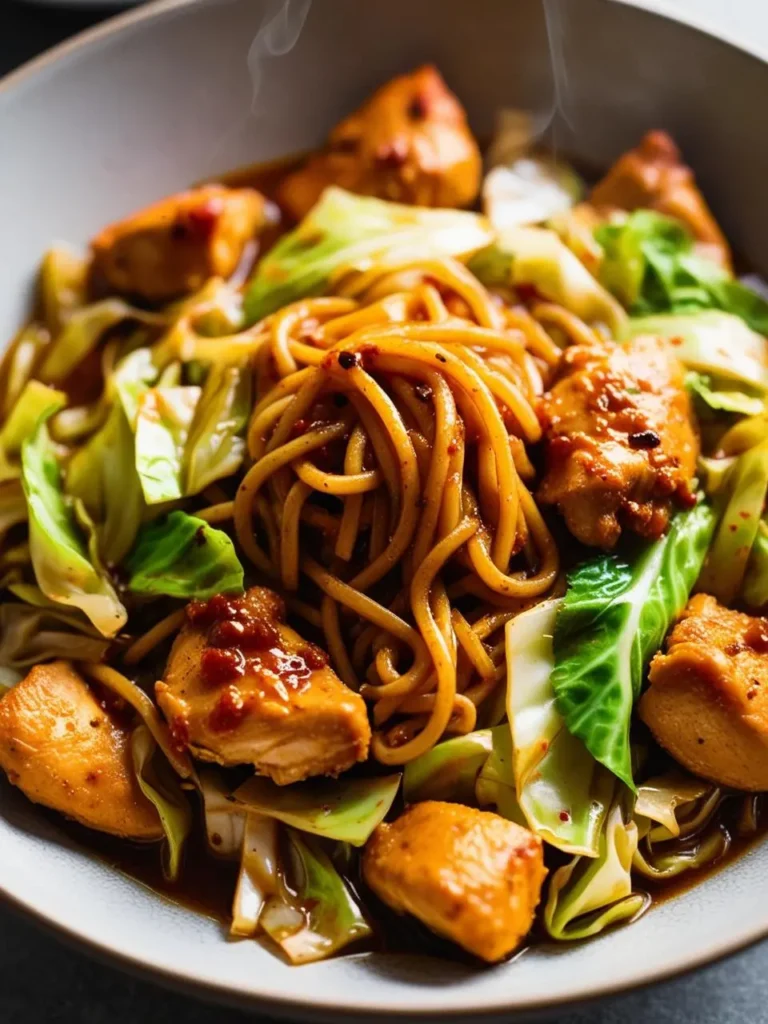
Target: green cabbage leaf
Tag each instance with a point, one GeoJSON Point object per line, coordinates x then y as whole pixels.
{"type": "Point", "coordinates": [182, 556]}
{"type": "Point", "coordinates": [614, 617]}
{"type": "Point", "coordinates": [537, 258]}
{"type": "Point", "coordinates": [561, 789]}
{"type": "Point", "coordinates": [344, 234]}
{"type": "Point", "coordinates": [347, 810]}
{"type": "Point", "coordinates": [62, 540]}
{"type": "Point", "coordinates": [650, 265]}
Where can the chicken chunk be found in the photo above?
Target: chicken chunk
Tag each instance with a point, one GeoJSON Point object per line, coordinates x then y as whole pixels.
{"type": "Point", "coordinates": [171, 247]}
{"type": "Point", "coordinates": [409, 143]}
{"type": "Point", "coordinates": [471, 876]}
{"type": "Point", "coordinates": [653, 176]}
{"type": "Point", "coordinates": [621, 445]}
{"type": "Point", "coordinates": [241, 687]}
{"type": "Point", "coordinates": [66, 750]}
{"type": "Point", "coordinates": [707, 703]}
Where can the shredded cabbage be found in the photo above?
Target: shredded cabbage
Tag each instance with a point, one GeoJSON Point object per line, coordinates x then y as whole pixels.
{"type": "Point", "coordinates": [613, 619]}
{"type": "Point", "coordinates": [182, 556]}
{"type": "Point", "coordinates": [162, 426]}
{"type": "Point", "coordinates": [319, 916]}
{"type": "Point", "coordinates": [711, 342]}
{"type": "Point", "coordinates": [588, 895]}
{"type": "Point", "coordinates": [537, 258]}
{"type": "Point", "coordinates": [649, 263]}
{"type": "Point", "coordinates": [37, 402]}
{"type": "Point", "coordinates": [346, 234]}
{"type": "Point", "coordinates": [344, 809]}
{"type": "Point", "coordinates": [560, 787]}
{"type": "Point", "coordinates": [448, 771]}
{"type": "Point", "coordinates": [215, 445]}
{"type": "Point", "coordinates": [161, 787]}
{"type": "Point", "coordinates": [64, 562]}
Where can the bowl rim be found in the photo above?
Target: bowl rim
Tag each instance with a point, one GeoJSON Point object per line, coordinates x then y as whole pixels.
{"type": "Point", "coordinates": [319, 1007]}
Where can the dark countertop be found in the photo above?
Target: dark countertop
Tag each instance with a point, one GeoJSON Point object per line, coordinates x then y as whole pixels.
{"type": "Point", "coordinates": [42, 980]}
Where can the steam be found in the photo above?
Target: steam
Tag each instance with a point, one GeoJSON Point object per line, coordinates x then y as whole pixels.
{"type": "Point", "coordinates": [277, 35]}
{"type": "Point", "coordinates": [545, 118]}
{"type": "Point", "coordinates": [556, 30]}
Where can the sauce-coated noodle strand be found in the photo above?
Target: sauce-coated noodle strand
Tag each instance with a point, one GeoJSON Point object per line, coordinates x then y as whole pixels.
{"type": "Point", "coordinates": [145, 644]}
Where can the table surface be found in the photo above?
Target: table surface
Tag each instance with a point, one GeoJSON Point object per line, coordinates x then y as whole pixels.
{"type": "Point", "coordinates": [42, 980]}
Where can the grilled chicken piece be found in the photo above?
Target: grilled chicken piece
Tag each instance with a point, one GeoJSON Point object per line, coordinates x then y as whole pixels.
{"type": "Point", "coordinates": [653, 176]}
{"type": "Point", "coordinates": [409, 143]}
{"type": "Point", "coordinates": [621, 445]}
{"type": "Point", "coordinates": [172, 247]}
{"type": "Point", "coordinates": [471, 876]}
{"type": "Point", "coordinates": [708, 699]}
{"type": "Point", "coordinates": [241, 687]}
{"type": "Point", "coordinates": [65, 750]}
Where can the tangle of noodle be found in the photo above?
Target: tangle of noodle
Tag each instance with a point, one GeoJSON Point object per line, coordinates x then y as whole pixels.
{"type": "Point", "coordinates": [388, 458]}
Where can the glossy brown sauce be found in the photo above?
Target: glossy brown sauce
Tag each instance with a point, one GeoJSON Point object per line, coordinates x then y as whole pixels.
{"type": "Point", "coordinates": [207, 884]}
{"type": "Point", "coordinates": [740, 844]}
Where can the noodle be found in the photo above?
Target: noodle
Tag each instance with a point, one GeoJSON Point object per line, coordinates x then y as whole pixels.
{"type": "Point", "coordinates": [140, 702]}
{"type": "Point", "coordinates": [388, 442]}
{"type": "Point", "coordinates": [166, 627]}
{"type": "Point", "coordinates": [217, 513]}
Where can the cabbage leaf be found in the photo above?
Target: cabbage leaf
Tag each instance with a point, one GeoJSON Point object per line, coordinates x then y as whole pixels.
{"type": "Point", "coordinates": [63, 560]}
{"type": "Point", "coordinates": [344, 809]}
{"type": "Point", "coordinates": [161, 787]}
{"type": "Point", "coordinates": [215, 446]}
{"type": "Point", "coordinates": [81, 334]}
{"type": "Point", "coordinates": [495, 785]}
{"type": "Point", "coordinates": [162, 427]}
{"type": "Point", "coordinates": [649, 263]}
{"type": "Point", "coordinates": [675, 805]}
{"type": "Point", "coordinates": [36, 402]}
{"type": "Point", "coordinates": [133, 376]}
{"type": "Point", "coordinates": [345, 233]}
{"type": "Point", "coordinates": [32, 634]}
{"type": "Point", "coordinates": [182, 556]}
{"type": "Point", "coordinates": [102, 474]}
{"type": "Point", "coordinates": [224, 830]}
{"type": "Point", "coordinates": [449, 770]}
{"type": "Point", "coordinates": [475, 769]}
{"type": "Point", "coordinates": [63, 282]}
{"type": "Point", "coordinates": [744, 490]}
{"type": "Point", "coordinates": [613, 619]}
{"type": "Point", "coordinates": [529, 190]}
{"type": "Point", "coordinates": [319, 915]}
{"type": "Point", "coordinates": [588, 895]}
{"type": "Point", "coordinates": [19, 363]}
{"type": "Point", "coordinates": [711, 342]}
{"type": "Point", "coordinates": [673, 859]}
{"type": "Point", "coordinates": [258, 877]}
{"type": "Point", "coordinates": [678, 827]}
{"type": "Point", "coordinates": [560, 788]}
{"type": "Point", "coordinates": [717, 400]}
{"type": "Point", "coordinates": [755, 587]}
{"type": "Point", "coordinates": [537, 258]}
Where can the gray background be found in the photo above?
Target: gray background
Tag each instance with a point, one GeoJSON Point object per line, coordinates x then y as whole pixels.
{"type": "Point", "coordinates": [44, 981]}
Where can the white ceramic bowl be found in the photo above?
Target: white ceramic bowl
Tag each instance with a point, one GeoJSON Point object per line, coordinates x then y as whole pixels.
{"type": "Point", "coordinates": [177, 91]}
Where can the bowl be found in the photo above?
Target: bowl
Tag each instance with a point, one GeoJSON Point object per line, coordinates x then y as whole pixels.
{"type": "Point", "coordinates": [179, 91]}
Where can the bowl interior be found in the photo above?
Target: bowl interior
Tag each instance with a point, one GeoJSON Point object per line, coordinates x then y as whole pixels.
{"type": "Point", "coordinates": [184, 91]}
